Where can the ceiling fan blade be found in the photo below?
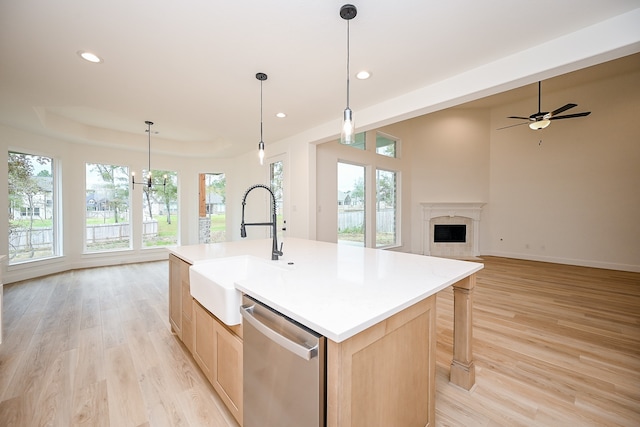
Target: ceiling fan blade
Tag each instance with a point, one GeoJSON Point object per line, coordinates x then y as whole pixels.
{"type": "Point", "coordinates": [560, 110]}
{"type": "Point", "coordinates": [517, 117]}
{"type": "Point", "coordinates": [570, 116]}
{"type": "Point", "coordinates": [510, 126]}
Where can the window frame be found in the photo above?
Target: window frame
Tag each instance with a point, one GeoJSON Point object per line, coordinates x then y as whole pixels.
{"type": "Point", "coordinates": [159, 175]}
{"type": "Point", "coordinates": [56, 207]}
{"type": "Point", "coordinates": [365, 203]}
{"type": "Point", "coordinates": [397, 210]}
{"type": "Point", "coordinates": [127, 173]}
{"type": "Point", "coordinates": [396, 144]}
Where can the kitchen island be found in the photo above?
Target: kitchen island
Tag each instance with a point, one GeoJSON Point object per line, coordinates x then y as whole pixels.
{"type": "Point", "coordinates": [377, 310]}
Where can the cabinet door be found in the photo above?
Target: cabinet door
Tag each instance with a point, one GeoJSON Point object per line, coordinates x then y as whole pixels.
{"type": "Point", "coordinates": [187, 307]}
{"type": "Point", "coordinates": [227, 377]}
{"type": "Point", "coordinates": [203, 340]}
{"type": "Point", "coordinates": [175, 295]}
{"type": "Point", "coordinates": [385, 375]}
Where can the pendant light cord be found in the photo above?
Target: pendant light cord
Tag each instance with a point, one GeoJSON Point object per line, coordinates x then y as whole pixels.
{"type": "Point", "coordinates": [348, 44]}
{"type": "Point", "coordinates": [149, 132]}
{"type": "Point", "coordinates": [261, 139]}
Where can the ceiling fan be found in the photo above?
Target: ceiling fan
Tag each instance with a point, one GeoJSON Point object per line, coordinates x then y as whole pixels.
{"type": "Point", "coordinates": [541, 120]}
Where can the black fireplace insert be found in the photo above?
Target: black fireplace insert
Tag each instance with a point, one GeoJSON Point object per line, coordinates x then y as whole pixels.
{"type": "Point", "coordinates": [450, 233]}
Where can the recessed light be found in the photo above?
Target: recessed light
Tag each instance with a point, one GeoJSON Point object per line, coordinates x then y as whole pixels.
{"type": "Point", "coordinates": [281, 115]}
{"type": "Point", "coordinates": [363, 75]}
{"type": "Point", "coordinates": [88, 56]}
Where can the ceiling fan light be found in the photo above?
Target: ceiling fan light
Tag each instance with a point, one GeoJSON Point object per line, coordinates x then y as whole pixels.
{"type": "Point", "coordinates": [540, 124]}
{"type": "Point", "coordinates": [89, 56]}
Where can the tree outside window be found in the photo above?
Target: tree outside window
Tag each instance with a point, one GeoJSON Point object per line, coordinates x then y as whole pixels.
{"type": "Point", "coordinates": [160, 210]}
{"type": "Point", "coordinates": [212, 226]}
{"type": "Point", "coordinates": [351, 204]}
{"type": "Point", "coordinates": [386, 145]}
{"type": "Point", "coordinates": [386, 206]}
{"type": "Point", "coordinates": [276, 178]}
{"type": "Point", "coordinates": [32, 220]}
{"type": "Point", "coordinates": [107, 208]}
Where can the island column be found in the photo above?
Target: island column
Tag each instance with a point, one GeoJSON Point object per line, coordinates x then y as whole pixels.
{"type": "Point", "coordinates": [463, 370]}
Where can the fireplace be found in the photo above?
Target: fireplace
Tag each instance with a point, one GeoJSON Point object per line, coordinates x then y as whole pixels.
{"type": "Point", "coordinates": [451, 229]}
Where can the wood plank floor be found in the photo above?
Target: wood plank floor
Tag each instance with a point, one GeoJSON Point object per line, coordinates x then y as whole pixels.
{"type": "Point", "coordinates": [94, 348]}
{"type": "Point", "coordinates": [554, 346]}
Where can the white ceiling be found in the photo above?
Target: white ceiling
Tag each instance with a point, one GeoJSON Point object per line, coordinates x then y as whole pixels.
{"type": "Point", "coordinates": [190, 65]}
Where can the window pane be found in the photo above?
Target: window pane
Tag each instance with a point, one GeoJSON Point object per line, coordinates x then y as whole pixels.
{"type": "Point", "coordinates": [351, 203]}
{"type": "Point", "coordinates": [213, 226]}
{"type": "Point", "coordinates": [277, 186]}
{"type": "Point", "coordinates": [107, 208]}
{"type": "Point", "coordinates": [160, 210]}
{"type": "Point", "coordinates": [386, 215]}
{"type": "Point", "coordinates": [385, 145]}
{"type": "Point", "coordinates": [32, 222]}
{"type": "Point", "coordinates": [385, 208]}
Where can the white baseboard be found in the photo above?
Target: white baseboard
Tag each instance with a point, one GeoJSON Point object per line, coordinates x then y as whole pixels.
{"type": "Point", "coordinates": [567, 261]}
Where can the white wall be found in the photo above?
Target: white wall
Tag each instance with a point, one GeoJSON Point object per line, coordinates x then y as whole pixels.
{"type": "Point", "coordinates": [299, 189]}
{"type": "Point", "coordinates": [567, 194]}
{"type": "Point", "coordinates": [570, 193]}
{"type": "Point", "coordinates": [449, 155]}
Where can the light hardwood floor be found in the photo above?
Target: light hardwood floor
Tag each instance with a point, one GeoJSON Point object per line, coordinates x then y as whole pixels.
{"type": "Point", "coordinates": [554, 346]}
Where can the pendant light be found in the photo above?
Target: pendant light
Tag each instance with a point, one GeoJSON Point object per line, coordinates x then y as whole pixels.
{"type": "Point", "coordinates": [348, 133]}
{"type": "Point", "coordinates": [149, 182]}
{"type": "Point", "coordinates": [262, 77]}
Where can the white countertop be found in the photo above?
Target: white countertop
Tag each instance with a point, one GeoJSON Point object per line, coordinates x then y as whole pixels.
{"type": "Point", "coordinates": [337, 290]}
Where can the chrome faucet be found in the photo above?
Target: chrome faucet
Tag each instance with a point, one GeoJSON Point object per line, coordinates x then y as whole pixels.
{"type": "Point", "coordinates": [275, 252]}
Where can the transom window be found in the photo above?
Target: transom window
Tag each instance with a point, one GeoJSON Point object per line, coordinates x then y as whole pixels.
{"type": "Point", "coordinates": [386, 145]}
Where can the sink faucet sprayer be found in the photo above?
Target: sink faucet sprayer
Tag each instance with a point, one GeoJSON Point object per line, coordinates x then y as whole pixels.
{"type": "Point", "coordinates": [275, 252]}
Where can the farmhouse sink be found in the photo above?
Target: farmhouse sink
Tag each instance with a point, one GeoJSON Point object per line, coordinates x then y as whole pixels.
{"type": "Point", "coordinates": [213, 283]}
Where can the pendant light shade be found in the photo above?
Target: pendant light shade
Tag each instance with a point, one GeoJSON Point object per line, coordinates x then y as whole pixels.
{"type": "Point", "coordinates": [262, 77]}
{"type": "Point", "coordinates": [348, 132]}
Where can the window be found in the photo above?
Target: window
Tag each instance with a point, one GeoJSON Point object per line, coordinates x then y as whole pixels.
{"type": "Point", "coordinates": [30, 211]}
{"type": "Point", "coordinates": [386, 208]}
{"type": "Point", "coordinates": [276, 182]}
{"type": "Point", "coordinates": [107, 208]}
{"type": "Point", "coordinates": [213, 226]}
{"type": "Point", "coordinates": [385, 145]}
{"type": "Point", "coordinates": [351, 204]}
{"type": "Point", "coordinates": [33, 220]}
{"type": "Point", "coordinates": [160, 210]}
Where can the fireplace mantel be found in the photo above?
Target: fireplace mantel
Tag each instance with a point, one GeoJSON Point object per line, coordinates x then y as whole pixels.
{"type": "Point", "coordinates": [471, 210]}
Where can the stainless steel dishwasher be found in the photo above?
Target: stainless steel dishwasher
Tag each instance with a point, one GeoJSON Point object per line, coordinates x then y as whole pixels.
{"type": "Point", "coordinates": [284, 370]}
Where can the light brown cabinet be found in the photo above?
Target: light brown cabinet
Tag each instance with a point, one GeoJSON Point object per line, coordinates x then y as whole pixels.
{"type": "Point", "coordinates": [385, 375]}
{"type": "Point", "coordinates": [216, 347]}
{"type": "Point", "coordinates": [218, 351]}
{"type": "Point", "coordinates": [180, 301]}
{"type": "Point", "coordinates": [175, 295]}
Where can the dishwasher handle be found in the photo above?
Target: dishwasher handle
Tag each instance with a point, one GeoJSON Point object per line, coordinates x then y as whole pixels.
{"type": "Point", "coordinates": [296, 348]}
